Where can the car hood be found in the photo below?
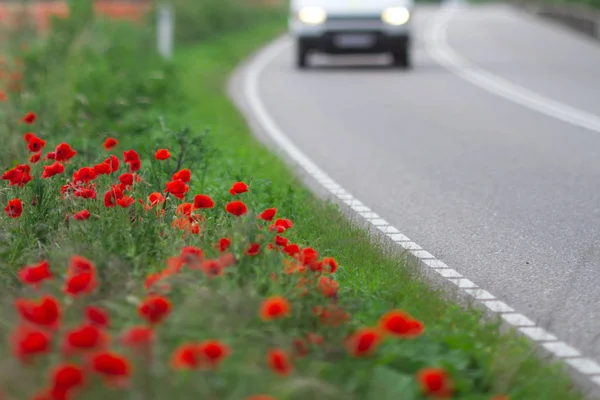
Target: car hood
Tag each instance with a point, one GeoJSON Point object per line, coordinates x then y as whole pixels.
{"type": "Point", "coordinates": [351, 6]}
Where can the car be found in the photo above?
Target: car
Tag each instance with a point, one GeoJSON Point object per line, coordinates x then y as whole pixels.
{"type": "Point", "coordinates": [352, 27]}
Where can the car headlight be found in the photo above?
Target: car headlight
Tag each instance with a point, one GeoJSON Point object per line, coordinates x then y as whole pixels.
{"type": "Point", "coordinates": [312, 15]}
{"type": "Point", "coordinates": [396, 15]}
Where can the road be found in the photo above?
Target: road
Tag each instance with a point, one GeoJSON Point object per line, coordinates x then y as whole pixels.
{"type": "Point", "coordinates": [502, 186]}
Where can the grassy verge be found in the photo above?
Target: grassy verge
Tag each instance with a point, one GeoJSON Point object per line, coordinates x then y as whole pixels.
{"type": "Point", "coordinates": [204, 304]}
{"type": "Point", "coordinates": [371, 275]}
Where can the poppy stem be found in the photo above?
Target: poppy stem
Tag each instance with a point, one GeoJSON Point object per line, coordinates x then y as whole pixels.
{"type": "Point", "coordinates": [177, 167]}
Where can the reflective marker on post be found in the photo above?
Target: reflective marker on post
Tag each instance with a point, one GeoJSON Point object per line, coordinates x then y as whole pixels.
{"type": "Point", "coordinates": [165, 30]}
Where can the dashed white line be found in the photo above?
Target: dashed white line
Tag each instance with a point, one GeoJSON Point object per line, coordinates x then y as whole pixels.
{"type": "Point", "coordinates": [538, 334]}
{"type": "Point", "coordinates": [560, 349]}
{"type": "Point", "coordinates": [584, 365]}
{"type": "Point", "coordinates": [480, 294]}
{"type": "Point", "coordinates": [517, 319]}
{"type": "Point", "coordinates": [463, 283]}
{"type": "Point", "coordinates": [498, 306]}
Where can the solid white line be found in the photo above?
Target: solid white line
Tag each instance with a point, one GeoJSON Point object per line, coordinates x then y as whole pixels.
{"type": "Point", "coordinates": [251, 91]}
{"type": "Point", "coordinates": [438, 49]}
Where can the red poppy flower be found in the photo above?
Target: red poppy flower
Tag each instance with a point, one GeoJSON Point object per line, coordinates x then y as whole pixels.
{"type": "Point", "coordinates": [103, 168]}
{"type": "Point", "coordinates": [85, 193]}
{"type": "Point", "coordinates": [268, 214]}
{"type": "Point", "coordinates": [29, 342]}
{"type": "Point", "coordinates": [34, 143]}
{"type": "Point", "coordinates": [284, 223]}
{"type": "Point", "coordinates": [125, 201]}
{"type": "Point", "coordinates": [212, 268]}
{"type": "Point", "coordinates": [237, 208]}
{"type": "Point", "coordinates": [156, 198]}
{"type": "Point", "coordinates": [54, 169]}
{"type": "Point", "coordinates": [177, 188]}
{"type": "Point", "coordinates": [292, 250]}
{"type": "Point", "coordinates": [227, 259]}
{"type": "Point", "coordinates": [363, 342]}
{"type": "Point", "coordinates": [3, 96]}
{"type": "Point", "coordinates": [80, 284]}
{"type": "Point", "coordinates": [253, 249]}
{"type": "Point", "coordinates": [184, 209]}
{"type": "Point", "coordinates": [203, 201]}
{"type": "Point", "coordinates": [82, 215]}
{"type": "Point", "coordinates": [14, 208]}
{"type": "Point", "coordinates": [64, 152]}
{"type": "Point", "coordinates": [213, 352]}
{"type": "Point", "coordinates": [151, 279]}
{"type": "Point", "coordinates": [309, 256]}
{"type": "Point", "coordinates": [186, 356]}
{"type": "Point", "coordinates": [111, 197]}
{"type": "Point", "coordinates": [162, 154]}
{"type": "Point", "coordinates": [435, 382]}
{"type": "Point", "coordinates": [191, 255]}
{"type": "Point", "coordinates": [329, 264]}
{"type": "Point", "coordinates": [139, 337]}
{"type": "Point", "coordinates": [279, 362]}
{"type": "Point", "coordinates": [274, 307]}
{"type": "Point", "coordinates": [174, 265]}
{"type": "Point", "coordinates": [45, 312]}
{"type": "Point", "coordinates": [97, 316]}
{"type": "Point", "coordinates": [18, 176]}
{"type": "Point", "coordinates": [113, 367]}
{"type": "Point", "coordinates": [114, 162]}
{"type": "Point", "coordinates": [84, 175]}
{"type": "Point", "coordinates": [130, 156]}
{"type": "Point", "coordinates": [84, 338]}
{"type": "Point", "coordinates": [135, 166]}
{"type": "Point", "coordinates": [238, 188]}
{"type": "Point", "coordinates": [35, 274]}
{"type": "Point", "coordinates": [79, 264]}
{"type": "Point", "coordinates": [65, 379]}
{"type": "Point", "coordinates": [224, 244]}
{"type": "Point", "coordinates": [328, 286]}
{"type": "Point", "coordinates": [281, 241]}
{"type": "Point", "coordinates": [110, 143]}
{"type": "Point", "coordinates": [398, 323]}
{"type": "Point", "coordinates": [35, 158]}
{"type": "Point", "coordinates": [155, 309]}
{"type": "Point", "coordinates": [126, 179]}
{"type": "Point", "coordinates": [184, 175]}
{"type": "Point", "coordinates": [29, 118]}
{"type": "Point", "coordinates": [50, 156]}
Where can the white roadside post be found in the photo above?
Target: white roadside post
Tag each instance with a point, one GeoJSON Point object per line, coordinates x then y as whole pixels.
{"type": "Point", "coordinates": [166, 23]}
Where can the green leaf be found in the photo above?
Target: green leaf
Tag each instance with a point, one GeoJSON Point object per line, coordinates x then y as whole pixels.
{"type": "Point", "coordinates": [387, 384]}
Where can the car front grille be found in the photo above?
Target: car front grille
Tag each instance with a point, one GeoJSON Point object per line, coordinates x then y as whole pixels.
{"type": "Point", "coordinates": [353, 23]}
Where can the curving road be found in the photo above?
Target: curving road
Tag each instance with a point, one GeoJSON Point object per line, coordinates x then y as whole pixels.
{"type": "Point", "coordinates": [487, 153]}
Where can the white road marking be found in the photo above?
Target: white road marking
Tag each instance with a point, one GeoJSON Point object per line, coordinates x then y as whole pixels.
{"type": "Point", "coordinates": [561, 349]}
{"type": "Point", "coordinates": [438, 49]}
{"type": "Point", "coordinates": [525, 325]}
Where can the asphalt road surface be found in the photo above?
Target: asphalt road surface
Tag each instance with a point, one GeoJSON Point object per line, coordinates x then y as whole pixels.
{"type": "Point", "coordinates": [500, 182]}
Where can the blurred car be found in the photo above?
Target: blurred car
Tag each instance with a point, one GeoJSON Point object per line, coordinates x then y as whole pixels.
{"type": "Point", "coordinates": [352, 27]}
